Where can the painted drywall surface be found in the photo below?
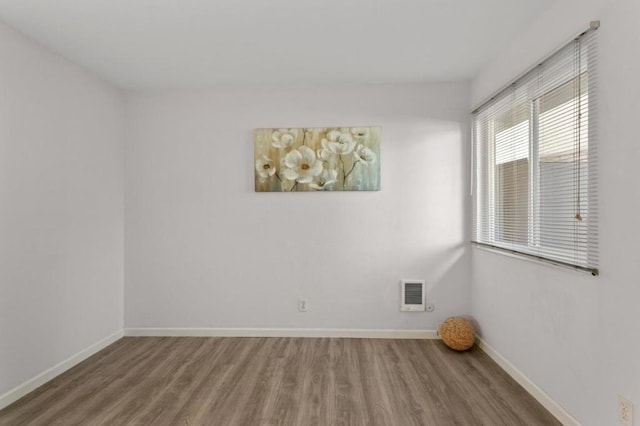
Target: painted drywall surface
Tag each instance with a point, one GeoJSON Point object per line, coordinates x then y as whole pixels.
{"type": "Point", "coordinates": [203, 249]}
{"type": "Point", "coordinates": [61, 209]}
{"type": "Point", "coordinates": [574, 335]}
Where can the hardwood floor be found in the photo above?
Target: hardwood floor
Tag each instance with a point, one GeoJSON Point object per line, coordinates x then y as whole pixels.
{"type": "Point", "coordinates": [280, 381]}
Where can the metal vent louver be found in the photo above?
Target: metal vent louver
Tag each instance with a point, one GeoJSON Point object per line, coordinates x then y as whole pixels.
{"type": "Point", "coordinates": [412, 295]}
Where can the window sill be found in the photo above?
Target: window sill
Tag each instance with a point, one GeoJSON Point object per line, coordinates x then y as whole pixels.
{"type": "Point", "coordinates": [534, 259]}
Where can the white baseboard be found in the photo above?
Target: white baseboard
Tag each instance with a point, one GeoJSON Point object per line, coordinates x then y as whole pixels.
{"type": "Point", "coordinates": [554, 408]}
{"type": "Point", "coordinates": [42, 378]}
{"type": "Point", "coordinates": [283, 332]}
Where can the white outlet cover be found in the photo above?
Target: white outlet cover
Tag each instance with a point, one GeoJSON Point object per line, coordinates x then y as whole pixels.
{"type": "Point", "coordinates": [625, 411]}
{"type": "Point", "coordinates": [303, 305]}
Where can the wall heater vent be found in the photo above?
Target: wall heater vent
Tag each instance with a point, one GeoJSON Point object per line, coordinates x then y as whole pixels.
{"type": "Point", "coordinates": [412, 298]}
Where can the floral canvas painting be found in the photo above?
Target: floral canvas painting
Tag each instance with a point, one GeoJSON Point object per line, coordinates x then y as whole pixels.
{"type": "Point", "coordinates": [317, 159]}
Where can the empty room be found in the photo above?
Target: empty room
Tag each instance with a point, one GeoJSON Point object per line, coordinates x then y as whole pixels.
{"type": "Point", "coordinates": [319, 212]}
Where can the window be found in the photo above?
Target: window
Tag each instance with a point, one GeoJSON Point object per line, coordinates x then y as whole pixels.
{"type": "Point", "coordinates": [536, 161]}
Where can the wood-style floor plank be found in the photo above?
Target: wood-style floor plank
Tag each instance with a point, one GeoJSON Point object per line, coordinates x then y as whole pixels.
{"type": "Point", "coordinates": [280, 381]}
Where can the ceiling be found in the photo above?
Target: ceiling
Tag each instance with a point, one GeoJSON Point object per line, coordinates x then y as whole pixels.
{"type": "Point", "coordinates": [140, 44]}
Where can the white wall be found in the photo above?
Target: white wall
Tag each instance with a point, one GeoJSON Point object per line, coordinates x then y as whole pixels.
{"type": "Point", "coordinates": [203, 250]}
{"type": "Point", "coordinates": [61, 209]}
{"type": "Point", "coordinates": [576, 336]}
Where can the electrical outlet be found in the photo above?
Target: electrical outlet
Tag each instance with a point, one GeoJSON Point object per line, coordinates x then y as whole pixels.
{"type": "Point", "coordinates": [625, 411]}
{"type": "Point", "coordinates": [303, 305]}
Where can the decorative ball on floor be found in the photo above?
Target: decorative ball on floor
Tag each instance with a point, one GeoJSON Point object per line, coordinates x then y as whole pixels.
{"type": "Point", "coordinates": [457, 333]}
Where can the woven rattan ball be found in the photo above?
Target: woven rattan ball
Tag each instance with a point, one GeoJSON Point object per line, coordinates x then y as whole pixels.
{"type": "Point", "coordinates": [457, 333]}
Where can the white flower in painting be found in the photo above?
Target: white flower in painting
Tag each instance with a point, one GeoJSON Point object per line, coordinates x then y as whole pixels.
{"type": "Point", "coordinates": [326, 179]}
{"type": "Point", "coordinates": [284, 138]}
{"type": "Point", "coordinates": [265, 167]}
{"type": "Point", "coordinates": [359, 132]}
{"type": "Point", "coordinates": [340, 143]}
{"type": "Point", "coordinates": [302, 165]}
{"type": "Point", "coordinates": [325, 154]}
{"type": "Point", "coordinates": [364, 155]}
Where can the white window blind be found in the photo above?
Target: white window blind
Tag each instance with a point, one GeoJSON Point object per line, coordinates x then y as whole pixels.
{"type": "Point", "coordinates": [535, 151]}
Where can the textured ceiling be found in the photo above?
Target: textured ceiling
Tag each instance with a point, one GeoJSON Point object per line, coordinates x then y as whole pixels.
{"type": "Point", "coordinates": [140, 44]}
